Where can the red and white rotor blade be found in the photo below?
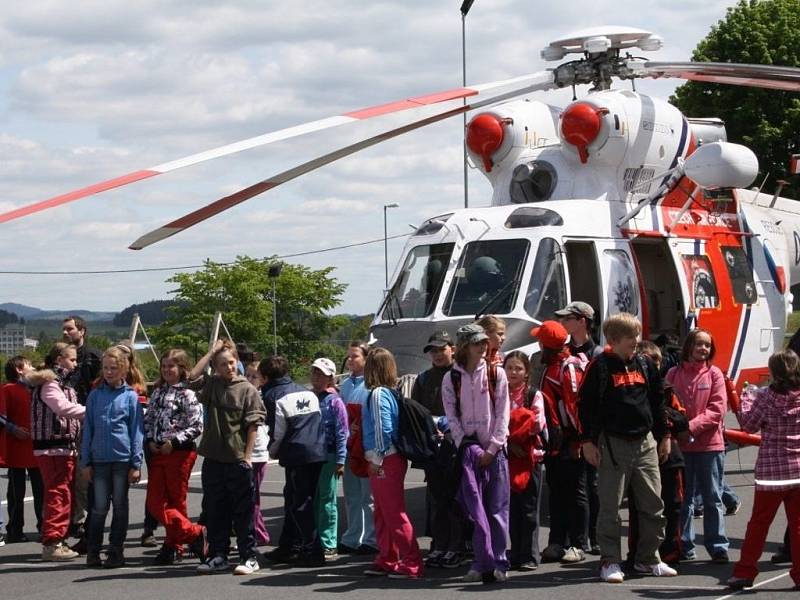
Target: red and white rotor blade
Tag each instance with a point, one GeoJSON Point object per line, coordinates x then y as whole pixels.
{"type": "Point", "coordinates": [540, 81]}
{"type": "Point", "coordinates": [269, 138]}
{"type": "Point", "coordinates": [761, 76]}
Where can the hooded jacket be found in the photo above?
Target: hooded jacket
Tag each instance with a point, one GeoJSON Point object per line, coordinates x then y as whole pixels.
{"type": "Point", "coordinates": [113, 428]}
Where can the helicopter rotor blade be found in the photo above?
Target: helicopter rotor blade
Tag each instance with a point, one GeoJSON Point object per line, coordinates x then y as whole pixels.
{"type": "Point", "coordinates": [540, 81]}
{"type": "Point", "coordinates": [761, 76]}
{"type": "Point", "coordinates": [268, 138]}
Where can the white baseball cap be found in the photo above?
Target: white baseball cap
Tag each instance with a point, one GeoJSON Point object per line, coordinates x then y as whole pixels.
{"type": "Point", "coordinates": [325, 365]}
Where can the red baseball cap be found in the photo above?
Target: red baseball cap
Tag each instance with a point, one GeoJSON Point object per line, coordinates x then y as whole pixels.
{"type": "Point", "coordinates": [551, 334]}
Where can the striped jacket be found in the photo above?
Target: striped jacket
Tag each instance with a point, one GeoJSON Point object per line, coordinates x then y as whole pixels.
{"type": "Point", "coordinates": [55, 414]}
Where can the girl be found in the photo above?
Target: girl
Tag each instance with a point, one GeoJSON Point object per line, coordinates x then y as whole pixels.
{"type": "Point", "coordinates": [19, 449]}
{"type": "Point", "coordinates": [775, 411]}
{"type": "Point", "coordinates": [55, 424]}
{"type": "Point", "coordinates": [260, 458]}
{"type": "Point", "coordinates": [478, 418]}
{"type": "Point", "coordinates": [172, 424]}
{"type": "Point", "coordinates": [334, 419]}
{"type": "Point", "coordinates": [111, 456]}
{"type": "Point", "coordinates": [527, 427]}
{"type": "Point", "coordinates": [700, 387]}
{"type": "Point", "coordinates": [359, 537]}
{"type": "Point", "coordinates": [495, 329]}
{"type": "Point", "coordinates": [398, 553]}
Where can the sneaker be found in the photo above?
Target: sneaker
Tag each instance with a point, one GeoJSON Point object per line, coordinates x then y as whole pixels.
{"type": "Point", "coordinates": [3, 539]}
{"type": "Point", "coordinates": [781, 557]}
{"type": "Point", "coordinates": [375, 571]}
{"type": "Point", "coordinates": [472, 576]}
{"type": "Point", "coordinates": [553, 553]}
{"type": "Point", "coordinates": [500, 576]}
{"type": "Point", "coordinates": [331, 554]}
{"type": "Point", "coordinates": [165, 556]}
{"type": "Point", "coordinates": [720, 557]}
{"type": "Point", "coordinates": [148, 540]}
{"type": "Point", "coordinates": [595, 550]}
{"type": "Point", "coordinates": [58, 553]}
{"type": "Point", "coordinates": [659, 569]}
{"type": "Point", "coordinates": [698, 513]}
{"type": "Point", "coordinates": [366, 550]}
{"type": "Point", "coordinates": [199, 546]}
{"type": "Point", "coordinates": [739, 583]}
{"type": "Point", "coordinates": [79, 547]}
{"type": "Point", "coordinates": [573, 555]}
{"type": "Point", "coordinates": [688, 556]}
{"type": "Point", "coordinates": [451, 560]}
{"type": "Point", "coordinates": [281, 555]}
{"type": "Point", "coordinates": [114, 559]}
{"type": "Point", "coordinates": [13, 538]}
{"type": "Point", "coordinates": [732, 510]}
{"type": "Point", "coordinates": [247, 567]}
{"type": "Point", "coordinates": [343, 549]}
{"type": "Point", "coordinates": [93, 560]}
{"type": "Point", "coordinates": [528, 566]}
{"type": "Point", "coordinates": [611, 573]}
{"type": "Point", "coordinates": [433, 560]}
{"type": "Point", "coordinates": [216, 564]}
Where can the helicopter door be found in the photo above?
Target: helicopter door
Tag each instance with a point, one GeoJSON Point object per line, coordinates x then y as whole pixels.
{"type": "Point", "coordinates": [661, 287]}
{"type": "Point", "coordinates": [584, 275]}
{"type": "Point", "coordinates": [618, 278]}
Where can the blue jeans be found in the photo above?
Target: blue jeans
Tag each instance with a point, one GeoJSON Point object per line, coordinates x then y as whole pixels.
{"type": "Point", "coordinates": [704, 472]}
{"type": "Point", "coordinates": [110, 487]}
{"type": "Point", "coordinates": [358, 507]}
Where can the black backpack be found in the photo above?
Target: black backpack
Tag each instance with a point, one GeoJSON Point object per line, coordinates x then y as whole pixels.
{"type": "Point", "coordinates": [417, 438]}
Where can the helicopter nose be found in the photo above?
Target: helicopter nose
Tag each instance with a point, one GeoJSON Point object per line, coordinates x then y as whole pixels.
{"type": "Point", "coordinates": [580, 125]}
{"type": "Point", "coordinates": [484, 136]}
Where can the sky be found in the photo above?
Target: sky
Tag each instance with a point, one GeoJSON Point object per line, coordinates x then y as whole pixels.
{"type": "Point", "coordinates": [94, 89]}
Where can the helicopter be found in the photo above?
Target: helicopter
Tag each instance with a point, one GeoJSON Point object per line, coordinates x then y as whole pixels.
{"type": "Point", "coordinates": [617, 200]}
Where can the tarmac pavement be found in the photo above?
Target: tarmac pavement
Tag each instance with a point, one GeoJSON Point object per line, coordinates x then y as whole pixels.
{"type": "Point", "coordinates": [24, 575]}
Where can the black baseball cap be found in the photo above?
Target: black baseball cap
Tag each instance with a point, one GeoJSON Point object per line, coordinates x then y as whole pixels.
{"type": "Point", "coordinates": [440, 339]}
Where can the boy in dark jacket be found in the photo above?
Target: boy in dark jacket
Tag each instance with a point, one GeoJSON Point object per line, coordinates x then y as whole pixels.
{"type": "Point", "coordinates": [624, 434]}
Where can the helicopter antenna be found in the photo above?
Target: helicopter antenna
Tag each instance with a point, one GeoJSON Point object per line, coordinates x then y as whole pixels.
{"type": "Point", "coordinates": [764, 182]}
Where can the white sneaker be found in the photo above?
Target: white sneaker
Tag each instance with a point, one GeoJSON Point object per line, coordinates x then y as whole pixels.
{"type": "Point", "coordinates": [248, 567]}
{"type": "Point", "coordinates": [573, 555]}
{"type": "Point", "coordinates": [611, 573]}
{"type": "Point", "coordinates": [217, 564]}
{"type": "Point", "coordinates": [472, 576]}
{"type": "Point", "coordinates": [500, 576]}
{"type": "Point", "coordinates": [659, 569]}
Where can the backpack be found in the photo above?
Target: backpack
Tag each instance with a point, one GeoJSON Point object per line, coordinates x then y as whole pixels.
{"type": "Point", "coordinates": [417, 437]}
{"type": "Point", "coordinates": [575, 365]}
{"type": "Point", "coordinates": [358, 464]}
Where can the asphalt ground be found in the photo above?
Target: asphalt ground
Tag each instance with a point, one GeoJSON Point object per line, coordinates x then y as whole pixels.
{"type": "Point", "coordinates": [24, 575]}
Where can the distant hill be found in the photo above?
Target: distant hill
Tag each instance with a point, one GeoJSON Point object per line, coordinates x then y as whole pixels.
{"type": "Point", "coordinates": [151, 313]}
{"type": "Point", "coordinates": [31, 312]}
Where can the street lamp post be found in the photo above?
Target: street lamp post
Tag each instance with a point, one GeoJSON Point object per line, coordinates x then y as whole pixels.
{"type": "Point", "coordinates": [273, 273]}
{"type": "Point", "coordinates": [386, 243]}
{"type": "Point", "coordinates": [465, 6]}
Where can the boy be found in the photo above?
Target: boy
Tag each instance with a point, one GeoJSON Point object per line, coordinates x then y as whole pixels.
{"type": "Point", "coordinates": [624, 434]}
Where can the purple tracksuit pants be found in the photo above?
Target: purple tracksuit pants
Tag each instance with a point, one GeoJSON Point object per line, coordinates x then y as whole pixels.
{"type": "Point", "coordinates": [484, 495]}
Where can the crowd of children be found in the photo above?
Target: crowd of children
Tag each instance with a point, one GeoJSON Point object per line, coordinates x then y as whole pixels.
{"type": "Point", "coordinates": [599, 425]}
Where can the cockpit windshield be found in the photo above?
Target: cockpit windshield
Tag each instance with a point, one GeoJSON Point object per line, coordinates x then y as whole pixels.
{"type": "Point", "coordinates": [416, 290]}
{"type": "Point", "coordinates": [488, 277]}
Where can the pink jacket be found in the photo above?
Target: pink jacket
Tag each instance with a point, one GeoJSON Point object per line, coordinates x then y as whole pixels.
{"type": "Point", "coordinates": [701, 389]}
{"type": "Point", "coordinates": [478, 416]}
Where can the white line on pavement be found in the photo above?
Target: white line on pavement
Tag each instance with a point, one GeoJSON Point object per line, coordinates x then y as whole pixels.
{"type": "Point", "coordinates": [759, 584]}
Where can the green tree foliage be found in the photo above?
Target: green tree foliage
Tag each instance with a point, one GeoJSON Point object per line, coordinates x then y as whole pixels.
{"type": "Point", "coordinates": [763, 32]}
{"type": "Point", "coordinates": [6, 318]}
{"type": "Point", "coordinates": [242, 291]}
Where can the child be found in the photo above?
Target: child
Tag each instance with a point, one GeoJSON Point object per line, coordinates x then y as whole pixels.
{"type": "Point", "coordinates": [111, 456]}
{"type": "Point", "coordinates": [334, 419]}
{"type": "Point", "coordinates": [477, 408]}
{"type": "Point", "coordinates": [19, 449]}
{"type": "Point", "coordinates": [671, 471]}
{"type": "Point", "coordinates": [495, 329]}
{"type": "Point", "coordinates": [55, 425]}
{"type": "Point", "coordinates": [622, 400]}
{"type": "Point", "coordinates": [260, 457]}
{"type": "Point", "coordinates": [527, 428]}
{"type": "Point", "coordinates": [398, 553]}
{"type": "Point", "coordinates": [700, 387]}
{"type": "Point", "coordinates": [172, 424]}
{"type": "Point", "coordinates": [233, 412]}
{"type": "Point", "coordinates": [775, 411]}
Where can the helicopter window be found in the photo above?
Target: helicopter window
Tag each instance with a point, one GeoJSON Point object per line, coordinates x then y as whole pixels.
{"type": "Point", "coordinates": [433, 225]}
{"type": "Point", "coordinates": [741, 274]}
{"type": "Point", "coordinates": [533, 182]}
{"type": "Point", "coordinates": [533, 216]}
{"type": "Point", "coordinates": [488, 278]}
{"type": "Point", "coordinates": [547, 291]}
{"type": "Point", "coordinates": [415, 292]}
{"type": "Point", "coordinates": [702, 287]}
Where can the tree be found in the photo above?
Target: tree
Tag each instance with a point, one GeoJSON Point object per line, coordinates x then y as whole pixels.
{"type": "Point", "coordinates": [242, 291]}
{"type": "Point", "coordinates": [763, 32]}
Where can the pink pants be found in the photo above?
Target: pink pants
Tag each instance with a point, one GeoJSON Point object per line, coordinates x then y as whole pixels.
{"type": "Point", "coordinates": [57, 475]}
{"type": "Point", "coordinates": [398, 551]}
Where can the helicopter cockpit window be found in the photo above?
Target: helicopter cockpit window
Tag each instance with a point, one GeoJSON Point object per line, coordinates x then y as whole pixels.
{"type": "Point", "coordinates": [533, 216]}
{"type": "Point", "coordinates": [741, 274]}
{"type": "Point", "coordinates": [415, 292]}
{"type": "Point", "coordinates": [488, 278]}
{"type": "Point", "coordinates": [547, 291]}
{"type": "Point", "coordinates": [433, 225]}
{"type": "Point", "coordinates": [533, 182]}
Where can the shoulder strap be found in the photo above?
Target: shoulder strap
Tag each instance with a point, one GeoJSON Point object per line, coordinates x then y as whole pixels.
{"type": "Point", "coordinates": [642, 362]}
{"type": "Point", "coordinates": [492, 375]}
{"type": "Point", "coordinates": [455, 378]}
